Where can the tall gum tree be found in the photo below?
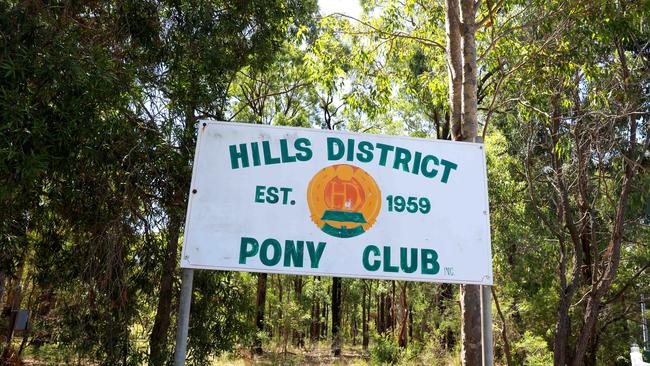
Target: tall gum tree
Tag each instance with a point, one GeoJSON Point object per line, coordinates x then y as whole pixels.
{"type": "Point", "coordinates": [581, 153]}
{"type": "Point", "coordinates": [202, 55]}
{"type": "Point", "coordinates": [461, 56]}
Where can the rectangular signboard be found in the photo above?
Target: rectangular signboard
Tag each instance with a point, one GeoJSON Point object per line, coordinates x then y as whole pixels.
{"type": "Point", "coordinates": [320, 202]}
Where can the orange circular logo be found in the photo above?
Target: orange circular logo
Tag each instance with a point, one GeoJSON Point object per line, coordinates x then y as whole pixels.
{"type": "Point", "coordinates": [344, 200]}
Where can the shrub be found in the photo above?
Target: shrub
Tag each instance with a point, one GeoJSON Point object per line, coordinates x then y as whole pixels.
{"type": "Point", "coordinates": [534, 350]}
{"type": "Point", "coordinates": [385, 350]}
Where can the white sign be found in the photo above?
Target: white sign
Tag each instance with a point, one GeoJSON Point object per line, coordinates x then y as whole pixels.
{"type": "Point", "coordinates": [319, 202]}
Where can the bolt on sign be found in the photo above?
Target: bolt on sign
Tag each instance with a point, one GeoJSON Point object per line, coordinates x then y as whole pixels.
{"type": "Point", "coordinates": [320, 202]}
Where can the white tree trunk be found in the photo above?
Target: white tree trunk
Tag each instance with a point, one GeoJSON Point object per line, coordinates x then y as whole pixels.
{"type": "Point", "coordinates": [454, 66]}
{"type": "Point", "coordinates": [470, 295]}
{"type": "Point", "coordinates": [469, 102]}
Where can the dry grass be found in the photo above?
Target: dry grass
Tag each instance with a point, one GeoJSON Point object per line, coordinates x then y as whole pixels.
{"type": "Point", "coordinates": [320, 355]}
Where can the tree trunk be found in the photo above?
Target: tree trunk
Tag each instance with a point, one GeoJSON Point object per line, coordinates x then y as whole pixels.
{"type": "Point", "coordinates": [364, 314]}
{"type": "Point", "coordinates": [386, 312]}
{"type": "Point", "coordinates": [325, 317]}
{"type": "Point", "coordinates": [158, 338]}
{"type": "Point", "coordinates": [297, 287]}
{"type": "Point", "coordinates": [590, 356]}
{"type": "Point", "coordinates": [393, 309]}
{"type": "Point", "coordinates": [259, 315]}
{"type": "Point", "coordinates": [562, 331]}
{"type": "Point", "coordinates": [469, 103]}
{"type": "Point", "coordinates": [454, 66]}
{"type": "Point", "coordinates": [471, 353]}
{"type": "Point", "coordinates": [587, 331]}
{"type": "Point", "coordinates": [403, 339]}
{"type": "Point", "coordinates": [14, 305]}
{"type": "Point", "coordinates": [336, 316]}
{"type": "Point", "coordinates": [2, 285]}
{"type": "Point", "coordinates": [410, 314]}
{"type": "Point", "coordinates": [355, 326]}
{"type": "Point", "coordinates": [504, 333]}
{"type": "Point", "coordinates": [315, 321]}
{"type": "Point", "coordinates": [612, 255]}
{"type": "Point", "coordinates": [446, 294]}
{"type": "Point", "coordinates": [298, 334]}
{"type": "Point", "coordinates": [32, 302]}
{"type": "Point", "coordinates": [14, 298]}
{"type": "Point", "coordinates": [281, 331]}
{"type": "Point", "coordinates": [379, 320]}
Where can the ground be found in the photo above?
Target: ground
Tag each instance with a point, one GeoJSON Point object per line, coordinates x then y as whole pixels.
{"type": "Point", "coordinates": [51, 355]}
{"type": "Point", "coordinates": [318, 356]}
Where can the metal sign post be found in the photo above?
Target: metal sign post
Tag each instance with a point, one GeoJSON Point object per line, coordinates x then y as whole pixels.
{"type": "Point", "coordinates": [486, 322]}
{"type": "Point", "coordinates": [183, 317]}
{"type": "Point", "coordinates": [644, 324]}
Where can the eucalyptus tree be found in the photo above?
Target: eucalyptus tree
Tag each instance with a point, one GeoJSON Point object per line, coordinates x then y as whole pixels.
{"type": "Point", "coordinates": [99, 104]}
{"type": "Point", "coordinates": [204, 46]}
{"type": "Point", "coordinates": [69, 139]}
{"type": "Point", "coordinates": [418, 26]}
{"type": "Point", "coordinates": [515, 46]}
{"type": "Point", "coordinates": [580, 129]}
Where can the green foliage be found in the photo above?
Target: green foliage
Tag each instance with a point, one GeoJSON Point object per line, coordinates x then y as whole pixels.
{"type": "Point", "coordinates": [97, 106]}
{"type": "Point", "coordinates": [533, 351]}
{"type": "Point", "coordinates": [221, 309]}
{"type": "Point", "coordinates": [385, 351]}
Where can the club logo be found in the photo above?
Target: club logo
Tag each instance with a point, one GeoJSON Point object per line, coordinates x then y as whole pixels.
{"type": "Point", "coordinates": [344, 200]}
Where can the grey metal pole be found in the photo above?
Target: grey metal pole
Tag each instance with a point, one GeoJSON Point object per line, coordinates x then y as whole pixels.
{"type": "Point", "coordinates": [486, 321]}
{"type": "Point", "coordinates": [183, 316]}
{"type": "Point", "coordinates": [644, 323]}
